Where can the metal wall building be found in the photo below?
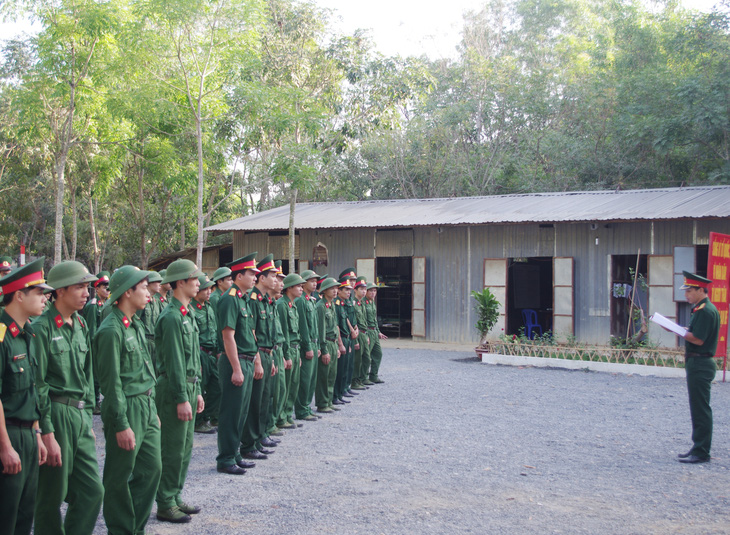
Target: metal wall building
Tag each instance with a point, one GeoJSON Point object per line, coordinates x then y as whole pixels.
{"type": "Point", "coordinates": [567, 256]}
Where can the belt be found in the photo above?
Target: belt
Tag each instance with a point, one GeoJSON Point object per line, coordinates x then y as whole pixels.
{"type": "Point", "coordinates": [63, 400]}
{"type": "Point", "coordinates": [295, 345]}
{"type": "Point", "coordinates": [207, 351]}
{"type": "Point", "coordinates": [18, 423]}
{"type": "Point", "coordinates": [194, 379]}
{"type": "Point", "coordinates": [330, 339]}
{"type": "Point", "coordinates": [249, 358]}
{"type": "Point", "coordinates": [697, 355]}
{"type": "Point", "coordinates": [267, 350]}
{"type": "Point", "coordinates": [371, 328]}
{"type": "Point", "coordinates": [149, 336]}
{"type": "Point", "coordinates": [147, 393]}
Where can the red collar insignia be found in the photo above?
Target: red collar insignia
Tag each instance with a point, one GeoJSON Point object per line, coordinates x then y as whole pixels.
{"type": "Point", "coordinates": [200, 307]}
{"type": "Point", "coordinates": [162, 299]}
{"type": "Point", "coordinates": [14, 329]}
{"type": "Point", "coordinates": [126, 322]}
{"type": "Point", "coordinates": [100, 303]}
{"type": "Point", "coordinates": [59, 321]}
{"type": "Point", "coordinates": [327, 305]}
{"type": "Point", "coordinates": [183, 310]}
{"type": "Point", "coordinates": [261, 297]}
{"type": "Point", "coordinates": [240, 293]}
{"type": "Point", "coordinates": [290, 304]}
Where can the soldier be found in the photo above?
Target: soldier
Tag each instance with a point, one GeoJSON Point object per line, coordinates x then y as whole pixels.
{"type": "Point", "coordinates": [131, 427]}
{"type": "Point", "coordinates": [278, 394]}
{"type": "Point", "coordinates": [701, 338]}
{"type": "Point", "coordinates": [262, 307]}
{"type": "Point", "coordinates": [376, 352]}
{"type": "Point", "coordinates": [362, 354]}
{"type": "Point", "coordinates": [21, 447]}
{"type": "Point", "coordinates": [92, 315]}
{"type": "Point", "coordinates": [349, 273]}
{"type": "Point", "coordinates": [206, 421]}
{"type": "Point", "coordinates": [152, 311]}
{"type": "Point", "coordinates": [178, 389]}
{"type": "Point", "coordinates": [65, 381]}
{"type": "Point", "coordinates": [222, 280]}
{"type": "Point", "coordinates": [238, 364]}
{"type": "Point", "coordinates": [348, 335]}
{"type": "Point", "coordinates": [330, 345]}
{"type": "Point", "coordinates": [309, 348]}
{"type": "Point", "coordinates": [288, 316]}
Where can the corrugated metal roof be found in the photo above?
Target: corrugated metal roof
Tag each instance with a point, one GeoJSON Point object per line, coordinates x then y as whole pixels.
{"type": "Point", "coordinates": [629, 205]}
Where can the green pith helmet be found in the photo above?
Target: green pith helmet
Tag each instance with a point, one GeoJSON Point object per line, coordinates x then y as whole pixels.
{"type": "Point", "coordinates": [123, 279]}
{"type": "Point", "coordinates": [370, 286]}
{"type": "Point", "coordinates": [309, 274]}
{"type": "Point", "coordinates": [221, 273]}
{"type": "Point", "coordinates": [69, 273]}
{"type": "Point", "coordinates": [328, 283]}
{"type": "Point", "coordinates": [181, 269]}
{"type": "Point", "coordinates": [292, 280]}
{"type": "Point", "coordinates": [205, 282]}
{"type": "Point", "coordinates": [155, 276]}
{"type": "Point", "coordinates": [6, 264]}
{"type": "Point", "coordinates": [27, 276]}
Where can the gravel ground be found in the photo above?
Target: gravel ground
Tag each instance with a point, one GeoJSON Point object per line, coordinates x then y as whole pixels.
{"type": "Point", "coordinates": [448, 444]}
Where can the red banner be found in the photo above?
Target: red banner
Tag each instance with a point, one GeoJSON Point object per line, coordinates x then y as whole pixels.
{"type": "Point", "coordinates": [718, 268]}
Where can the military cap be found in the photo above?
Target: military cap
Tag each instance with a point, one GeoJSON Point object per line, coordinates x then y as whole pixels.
{"type": "Point", "coordinates": [322, 278]}
{"type": "Point", "coordinates": [102, 278]}
{"type": "Point", "coordinates": [69, 273]}
{"type": "Point", "coordinates": [181, 269]}
{"type": "Point", "coordinates": [155, 276]}
{"type": "Point", "coordinates": [27, 276]}
{"type": "Point", "coordinates": [205, 282]}
{"type": "Point", "coordinates": [345, 281]}
{"type": "Point", "coordinates": [292, 279]}
{"type": "Point", "coordinates": [328, 283]}
{"type": "Point", "coordinates": [122, 280]}
{"type": "Point", "coordinates": [244, 263]}
{"type": "Point", "coordinates": [694, 281]}
{"type": "Point", "coordinates": [266, 264]}
{"type": "Point", "coordinates": [309, 274]}
{"type": "Point", "coordinates": [349, 273]}
{"type": "Point", "coordinates": [6, 263]}
{"type": "Point", "coordinates": [221, 273]}
{"type": "Point", "coordinates": [370, 286]}
{"type": "Point", "coordinates": [279, 272]}
{"type": "Point", "coordinates": [361, 281]}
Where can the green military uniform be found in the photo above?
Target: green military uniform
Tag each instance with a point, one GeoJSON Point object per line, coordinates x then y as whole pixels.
{"type": "Point", "coordinates": [328, 331]}
{"type": "Point", "coordinates": [178, 364]}
{"type": "Point", "coordinates": [288, 317]}
{"type": "Point", "coordinates": [308, 335]}
{"type": "Point", "coordinates": [262, 308]}
{"type": "Point", "coordinates": [362, 355]}
{"type": "Point", "coordinates": [215, 295]}
{"type": "Point", "coordinates": [376, 352]}
{"type": "Point", "coordinates": [92, 314]}
{"type": "Point", "coordinates": [700, 367]}
{"type": "Point", "coordinates": [209, 351]}
{"type": "Point", "coordinates": [233, 311]}
{"type": "Point", "coordinates": [345, 313]}
{"type": "Point", "coordinates": [127, 379]}
{"type": "Point", "coordinates": [278, 387]}
{"type": "Point", "coordinates": [65, 381]}
{"type": "Point", "coordinates": [20, 408]}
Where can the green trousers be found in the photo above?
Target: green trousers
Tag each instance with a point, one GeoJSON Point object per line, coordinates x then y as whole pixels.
{"type": "Point", "coordinates": [362, 358]}
{"type": "Point", "coordinates": [76, 481]}
{"type": "Point", "coordinates": [307, 382]}
{"type": "Point", "coordinates": [254, 428]}
{"type": "Point", "coordinates": [131, 477]}
{"type": "Point", "coordinates": [700, 374]}
{"type": "Point", "coordinates": [293, 375]}
{"type": "Point", "coordinates": [211, 388]}
{"type": "Point", "coordinates": [18, 491]}
{"type": "Point", "coordinates": [326, 375]}
{"type": "Point", "coordinates": [278, 392]}
{"type": "Point", "coordinates": [176, 443]}
{"type": "Point", "coordinates": [376, 354]}
{"type": "Point", "coordinates": [233, 410]}
{"type": "Point", "coordinates": [344, 370]}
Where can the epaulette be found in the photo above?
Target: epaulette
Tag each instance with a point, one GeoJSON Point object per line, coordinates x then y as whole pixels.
{"type": "Point", "coordinates": [232, 291]}
{"type": "Point", "coordinates": [337, 302]}
{"type": "Point", "coordinates": [3, 328]}
{"type": "Point", "coordinates": [699, 307]}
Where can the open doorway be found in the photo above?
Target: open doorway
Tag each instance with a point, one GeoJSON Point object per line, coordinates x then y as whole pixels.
{"type": "Point", "coordinates": [626, 282]}
{"type": "Point", "coordinates": [530, 296]}
{"type": "Point", "coordinates": [395, 300]}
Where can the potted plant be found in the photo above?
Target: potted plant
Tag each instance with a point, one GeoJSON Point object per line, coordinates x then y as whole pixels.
{"type": "Point", "coordinates": [487, 308]}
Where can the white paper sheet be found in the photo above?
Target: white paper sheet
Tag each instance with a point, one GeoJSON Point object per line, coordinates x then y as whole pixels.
{"type": "Point", "coordinates": [668, 324]}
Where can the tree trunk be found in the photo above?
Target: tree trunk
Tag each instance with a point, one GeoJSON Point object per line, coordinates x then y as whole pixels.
{"type": "Point", "coordinates": [58, 239]}
{"type": "Point", "coordinates": [201, 233]}
{"type": "Point", "coordinates": [74, 225]}
{"type": "Point", "coordinates": [182, 232]}
{"type": "Point", "coordinates": [142, 227]}
{"type": "Point", "coordinates": [292, 236]}
{"type": "Point", "coordinates": [92, 230]}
